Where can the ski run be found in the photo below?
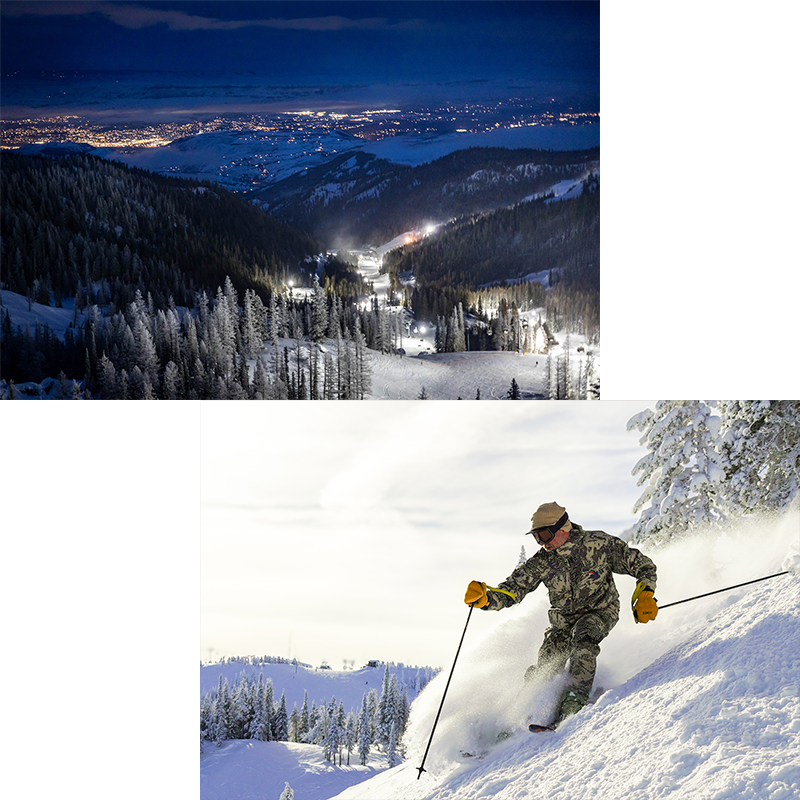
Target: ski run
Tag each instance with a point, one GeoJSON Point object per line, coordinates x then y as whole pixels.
{"type": "Point", "coordinates": [701, 704]}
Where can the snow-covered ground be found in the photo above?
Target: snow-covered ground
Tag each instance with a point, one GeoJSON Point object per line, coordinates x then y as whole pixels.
{"type": "Point", "coordinates": [22, 314]}
{"type": "Point", "coordinates": [449, 376]}
{"type": "Point", "coordinates": [253, 770]}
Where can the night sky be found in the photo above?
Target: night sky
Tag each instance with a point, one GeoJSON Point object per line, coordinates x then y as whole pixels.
{"type": "Point", "coordinates": [557, 43]}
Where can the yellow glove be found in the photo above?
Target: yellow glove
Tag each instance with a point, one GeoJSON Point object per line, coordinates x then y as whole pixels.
{"type": "Point", "coordinates": [643, 604]}
{"type": "Point", "coordinates": [476, 594]}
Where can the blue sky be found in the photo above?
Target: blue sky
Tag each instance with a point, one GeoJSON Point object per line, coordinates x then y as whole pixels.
{"type": "Point", "coordinates": [552, 43]}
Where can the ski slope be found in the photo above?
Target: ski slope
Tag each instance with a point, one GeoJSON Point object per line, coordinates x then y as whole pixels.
{"type": "Point", "coordinates": [701, 704]}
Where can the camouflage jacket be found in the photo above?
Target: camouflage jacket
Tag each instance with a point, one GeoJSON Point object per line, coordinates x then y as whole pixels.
{"type": "Point", "coordinates": [578, 576]}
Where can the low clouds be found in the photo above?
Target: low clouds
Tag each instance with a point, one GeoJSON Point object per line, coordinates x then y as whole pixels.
{"type": "Point", "coordinates": [135, 17]}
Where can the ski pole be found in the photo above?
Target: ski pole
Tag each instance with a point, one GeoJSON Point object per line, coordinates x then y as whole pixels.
{"type": "Point", "coordinates": [727, 588]}
{"type": "Point", "coordinates": [421, 767]}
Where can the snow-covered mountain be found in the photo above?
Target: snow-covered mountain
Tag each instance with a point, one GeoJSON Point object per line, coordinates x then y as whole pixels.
{"type": "Point", "coordinates": [359, 198]}
{"type": "Point", "coordinates": [704, 703]}
{"type": "Point", "coordinates": [240, 159]}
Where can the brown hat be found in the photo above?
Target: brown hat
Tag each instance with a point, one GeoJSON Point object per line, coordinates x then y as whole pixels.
{"type": "Point", "coordinates": [549, 514]}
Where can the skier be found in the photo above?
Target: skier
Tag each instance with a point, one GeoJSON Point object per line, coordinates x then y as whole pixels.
{"type": "Point", "coordinates": [576, 566]}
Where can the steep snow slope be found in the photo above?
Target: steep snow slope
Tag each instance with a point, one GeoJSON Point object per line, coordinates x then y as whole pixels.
{"type": "Point", "coordinates": [701, 704]}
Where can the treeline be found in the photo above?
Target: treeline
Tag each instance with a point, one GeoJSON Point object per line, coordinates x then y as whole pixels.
{"type": "Point", "coordinates": [142, 352]}
{"type": "Point", "coordinates": [257, 661]}
{"type": "Point", "coordinates": [83, 227]}
{"type": "Point", "coordinates": [249, 710]}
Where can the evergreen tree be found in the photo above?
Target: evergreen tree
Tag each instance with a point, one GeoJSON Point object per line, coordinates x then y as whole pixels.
{"type": "Point", "coordinates": [364, 732]}
{"type": "Point", "coordinates": [304, 719]}
{"type": "Point", "coordinates": [281, 721]}
{"type": "Point", "coordinates": [760, 452]}
{"type": "Point", "coordinates": [294, 725]}
{"type": "Point", "coordinates": [319, 311]}
{"type": "Point", "coordinates": [350, 735]}
{"type": "Point", "coordinates": [391, 750]}
{"type": "Point", "coordinates": [287, 793]}
{"type": "Point", "coordinates": [387, 709]}
{"type": "Point", "coordinates": [682, 469]}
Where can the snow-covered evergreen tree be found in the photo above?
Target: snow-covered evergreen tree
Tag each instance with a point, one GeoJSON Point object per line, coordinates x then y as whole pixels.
{"type": "Point", "coordinates": [319, 311]}
{"type": "Point", "coordinates": [682, 468]}
{"type": "Point", "coordinates": [386, 710]}
{"type": "Point", "coordinates": [761, 453]}
{"type": "Point", "coordinates": [391, 749]}
{"type": "Point", "coordinates": [294, 725]}
{"type": "Point", "coordinates": [334, 730]}
{"type": "Point", "coordinates": [287, 793]}
{"type": "Point", "coordinates": [281, 721]}
{"type": "Point", "coordinates": [304, 719]}
{"type": "Point", "coordinates": [350, 735]}
{"type": "Point", "coordinates": [364, 732]}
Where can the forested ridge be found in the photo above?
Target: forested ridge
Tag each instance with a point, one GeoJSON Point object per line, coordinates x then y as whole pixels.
{"type": "Point", "coordinates": [80, 226]}
{"type": "Point", "coordinates": [562, 238]}
{"type": "Point", "coordinates": [363, 199]}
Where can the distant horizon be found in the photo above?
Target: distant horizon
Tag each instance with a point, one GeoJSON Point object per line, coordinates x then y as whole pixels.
{"type": "Point", "coordinates": [553, 43]}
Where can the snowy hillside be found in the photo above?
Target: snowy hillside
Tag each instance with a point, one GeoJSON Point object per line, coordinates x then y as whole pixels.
{"type": "Point", "coordinates": [347, 686]}
{"type": "Point", "coordinates": [239, 159]}
{"type": "Point", "coordinates": [253, 770]}
{"type": "Point", "coordinates": [243, 769]}
{"type": "Point", "coordinates": [444, 376]}
{"type": "Point", "coordinates": [702, 703]}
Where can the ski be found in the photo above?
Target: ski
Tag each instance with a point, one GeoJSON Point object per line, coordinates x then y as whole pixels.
{"type": "Point", "coordinates": [593, 698]}
{"type": "Point", "coordinates": [532, 727]}
{"type": "Point", "coordinates": [541, 728]}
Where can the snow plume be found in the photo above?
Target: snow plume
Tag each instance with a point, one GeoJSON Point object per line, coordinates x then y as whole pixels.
{"type": "Point", "coordinates": [487, 694]}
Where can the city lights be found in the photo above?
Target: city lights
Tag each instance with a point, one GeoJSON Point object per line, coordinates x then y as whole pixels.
{"type": "Point", "coordinates": [370, 125]}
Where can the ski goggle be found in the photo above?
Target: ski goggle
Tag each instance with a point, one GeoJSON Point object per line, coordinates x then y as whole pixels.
{"type": "Point", "coordinates": [548, 533]}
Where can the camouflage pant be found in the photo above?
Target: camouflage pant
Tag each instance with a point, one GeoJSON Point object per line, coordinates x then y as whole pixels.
{"type": "Point", "coordinates": [578, 643]}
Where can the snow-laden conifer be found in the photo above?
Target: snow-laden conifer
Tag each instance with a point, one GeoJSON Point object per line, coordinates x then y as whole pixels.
{"type": "Point", "coordinates": [287, 793]}
{"type": "Point", "coordinates": [281, 720]}
{"type": "Point", "coordinates": [682, 469]}
{"type": "Point", "coordinates": [364, 732]}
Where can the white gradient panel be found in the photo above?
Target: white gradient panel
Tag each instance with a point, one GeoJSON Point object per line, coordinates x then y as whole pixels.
{"type": "Point", "coordinates": [115, 615]}
{"type": "Point", "coordinates": [105, 415]}
{"type": "Point", "coordinates": [107, 454]}
{"type": "Point", "coordinates": [102, 594]}
{"type": "Point", "coordinates": [107, 635]}
{"type": "Point", "coordinates": [120, 694]}
{"type": "Point", "coordinates": [113, 504]}
{"type": "Point", "coordinates": [122, 551]}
